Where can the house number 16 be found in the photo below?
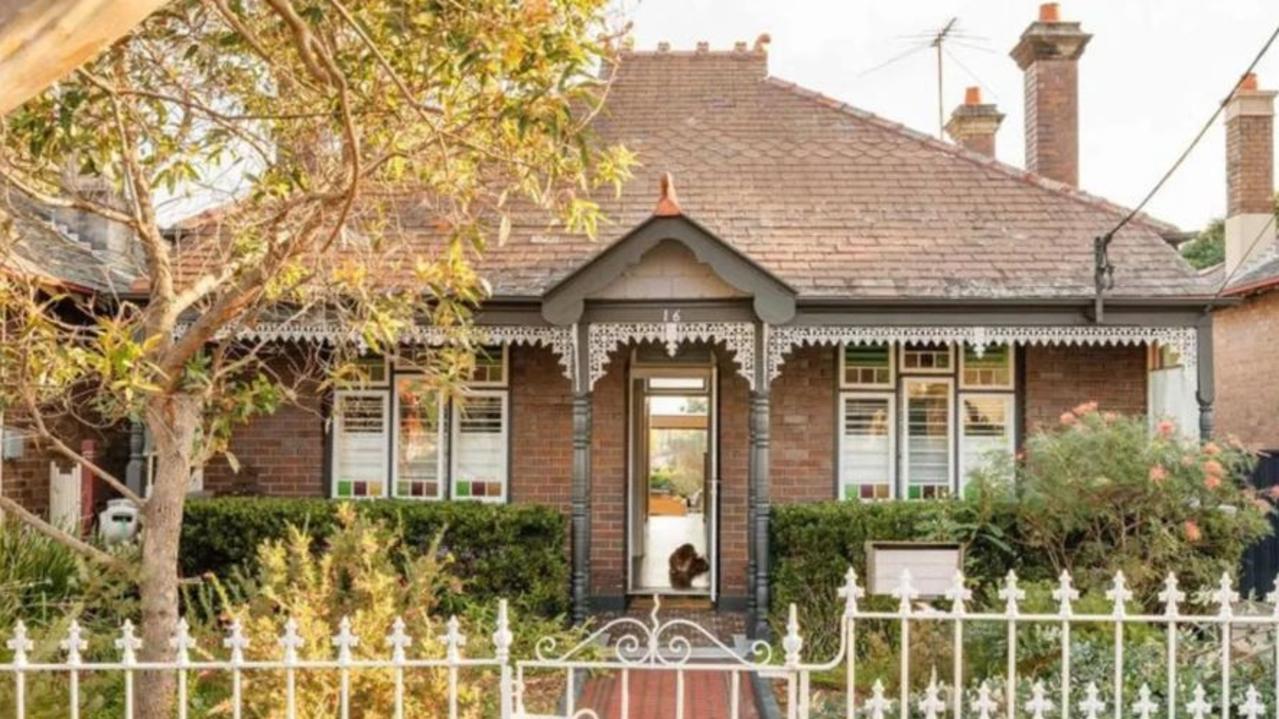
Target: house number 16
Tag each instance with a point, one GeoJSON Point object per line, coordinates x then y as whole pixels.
{"type": "Point", "coordinates": [670, 315]}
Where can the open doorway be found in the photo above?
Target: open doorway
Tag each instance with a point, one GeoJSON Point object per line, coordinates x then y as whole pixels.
{"type": "Point", "coordinates": [673, 474]}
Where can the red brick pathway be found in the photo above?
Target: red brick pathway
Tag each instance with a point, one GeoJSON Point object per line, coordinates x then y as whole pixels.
{"type": "Point", "coordinates": [652, 695]}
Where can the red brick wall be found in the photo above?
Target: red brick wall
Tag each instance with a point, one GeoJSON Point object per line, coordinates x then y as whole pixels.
{"type": "Point", "coordinates": [26, 479]}
{"type": "Point", "coordinates": [541, 429]}
{"type": "Point", "coordinates": [1059, 378]}
{"type": "Point", "coordinates": [802, 417]}
{"type": "Point", "coordinates": [1052, 119]}
{"type": "Point", "coordinates": [280, 454]}
{"type": "Point", "coordinates": [608, 480]}
{"type": "Point", "coordinates": [1250, 164]}
{"type": "Point", "coordinates": [1247, 371]}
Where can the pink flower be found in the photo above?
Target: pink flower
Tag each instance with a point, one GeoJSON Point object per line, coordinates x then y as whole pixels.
{"type": "Point", "coordinates": [1110, 417]}
{"type": "Point", "coordinates": [1068, 418]}
{"type": "Point", "coordinates": [1158, 474]}
{"type": "Point", "coordinates": [1211, 449]}
{"type": "Point", "coordinates": [1188, 460]}
{"type": "Point", "coordinates": [1261, 504]}
{"type": "Point", "coordinates": [1086, 408]}
{"type": "Point", "coordinates": [1212, 481]}
{"type": "Point", "coordinates": [1213, 468]}
{"type": "Point", "coordinates": [1273, 491]}
{"type": "Point", "coordinates": [1166, 428]}
{"type": "Point", "coordinates": [1192, 531]}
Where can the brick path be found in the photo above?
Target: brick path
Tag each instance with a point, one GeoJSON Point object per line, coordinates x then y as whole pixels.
{"type": "Point", "coordinates": [652, 695]}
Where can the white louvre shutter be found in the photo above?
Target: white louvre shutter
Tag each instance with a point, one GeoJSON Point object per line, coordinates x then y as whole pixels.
{"type": "Point", "coordinates": [360, 444]}
{"type": "Point", "coordinates": [480, 427]}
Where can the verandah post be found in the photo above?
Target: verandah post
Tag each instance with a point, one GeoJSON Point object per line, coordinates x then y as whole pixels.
{"type": "Point", "coordinates": [759, 487]}
{"type": "Point", "coordinates": [580, 521]}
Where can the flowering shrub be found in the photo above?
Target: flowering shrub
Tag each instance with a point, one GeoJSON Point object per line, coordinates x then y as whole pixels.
{"type": "Point", "coordinates": [1102, 493]}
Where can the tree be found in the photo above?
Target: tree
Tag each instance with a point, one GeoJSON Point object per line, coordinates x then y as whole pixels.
{"type": "Point", "coordinates": [371, 151]}
{"type": "Point", "coordinates": [1208, 248]}
{"type": "Point", "coordinates": [43, 40]}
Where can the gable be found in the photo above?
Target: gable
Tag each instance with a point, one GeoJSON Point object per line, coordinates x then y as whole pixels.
{"type": "Point", "coordinates": [622, 268]}
{"type": "Point", "coordinates": [669, 271]}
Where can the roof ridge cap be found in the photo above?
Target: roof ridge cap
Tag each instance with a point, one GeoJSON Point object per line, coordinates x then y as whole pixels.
{"type": "Point", "coordinates": [1017, 173]}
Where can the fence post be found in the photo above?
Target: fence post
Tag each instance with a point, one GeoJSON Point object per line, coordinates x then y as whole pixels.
{"type": "Point", "coordinates": [502, 640]}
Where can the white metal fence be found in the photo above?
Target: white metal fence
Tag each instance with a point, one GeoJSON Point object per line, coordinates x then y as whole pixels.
{"type": "Point", "coordinates": [874, 679]}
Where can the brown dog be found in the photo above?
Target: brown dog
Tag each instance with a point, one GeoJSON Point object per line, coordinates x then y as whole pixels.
{"type": "Point", "coordinates": [686, 565]}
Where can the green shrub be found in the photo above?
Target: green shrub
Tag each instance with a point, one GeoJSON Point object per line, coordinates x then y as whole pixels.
{"type": "Point", "coordinates": [38, 576]}
{"type": "Point", "coordinates": [511, 551]}
{"type": "Point", "coordinates": [1096, 495]}
{"type": "Point", "coordinates": [814, 544]}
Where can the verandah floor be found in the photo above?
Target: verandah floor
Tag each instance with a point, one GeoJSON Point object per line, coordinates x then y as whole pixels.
{"type": "Point", "coordinates": [652, 695]}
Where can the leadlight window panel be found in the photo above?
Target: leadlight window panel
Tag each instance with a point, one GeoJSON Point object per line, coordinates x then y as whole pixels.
{"type": "Point", "coordinates": [363, 373]}
{"type": "Point", "coordinates": [360, 442]}
{"type": "Point", "coordinates": [419, 440]}
{"type": "Point", "coordinates": [490, 367]}
{"type": "Point", "coordinates": [479, 459]}
{"type": "Point", "coordinates": [867, 366]}
{"type": "Point", "coordinates": [927, 358]}
{"type": "Point", "coordinates": [986, 431]}
{"type": "Point", "coordinates": [927, 434]}
{"type": "Point", "coordinates": [992, 368]}
{"type": "Point", "coordinates": [867, 463]}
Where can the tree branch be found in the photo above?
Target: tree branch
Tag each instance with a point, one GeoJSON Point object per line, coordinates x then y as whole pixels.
{"type": "Point", "coordinates": [60, 536]}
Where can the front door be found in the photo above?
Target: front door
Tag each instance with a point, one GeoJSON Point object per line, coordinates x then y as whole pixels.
{"type": "Point", "coordinates": [673, 480]}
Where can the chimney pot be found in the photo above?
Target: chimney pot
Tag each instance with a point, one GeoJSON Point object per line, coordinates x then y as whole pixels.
{"type": "Point", "coordinates": [973, 124]}
{"type": "Point", "coordinates": [1048, 54]}
{"type": "Point", "coordinates": [1250, 181]}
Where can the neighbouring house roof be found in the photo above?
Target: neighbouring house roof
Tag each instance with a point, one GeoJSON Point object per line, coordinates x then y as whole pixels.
{"type": "Point", "coordinates": [47, 251]}
{"type": "Point", "coordinates": [833, 201]}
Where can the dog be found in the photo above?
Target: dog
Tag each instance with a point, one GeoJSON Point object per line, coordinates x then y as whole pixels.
{"type": "Point", "coordinates": [687, 565]}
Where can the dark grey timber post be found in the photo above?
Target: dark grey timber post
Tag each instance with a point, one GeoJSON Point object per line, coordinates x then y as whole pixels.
{"type": "Point", "coordinates": [581, 504]}
{"type": "Point", "coordinates": [135, 470]}
{"type": "Point", "coordinates": [759, 489]}
{"type": "Point", "coordinates": [1206, 393]}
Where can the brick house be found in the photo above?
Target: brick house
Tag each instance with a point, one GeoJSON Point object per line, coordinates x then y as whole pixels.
{"type": "Point", "coordinates": [1246, 333]}
{"type": "Point", "coordinates": [832, 306]}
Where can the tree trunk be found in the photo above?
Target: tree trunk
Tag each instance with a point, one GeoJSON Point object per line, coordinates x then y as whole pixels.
{"type": "Point", "coordinates": [172, 420]}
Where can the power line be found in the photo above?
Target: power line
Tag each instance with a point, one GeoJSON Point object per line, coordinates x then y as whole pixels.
{"type": "Point", "coordinates": [1103, 270]}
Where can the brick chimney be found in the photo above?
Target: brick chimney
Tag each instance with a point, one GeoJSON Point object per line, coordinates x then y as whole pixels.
{"type": "Point", "coordinates": [973, 124]}
{"type": "Point", "coordinates": [1250, 181]}
{"type": "Point", "coordinates": [1048, 54]}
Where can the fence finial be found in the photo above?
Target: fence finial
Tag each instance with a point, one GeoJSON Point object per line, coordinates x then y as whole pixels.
{"type": "Point", "coordinates": [1119, 594]}
{"type": "Point", "coordinates": [1199, 707]}
{"type": "Point", "coordinates": [905, 592]}
{"type": "Point", "coordinates": [1171, 596]}
{"type": "Point", "coordinates": [1011, 594]}
{"type": "Point", "coordinates": [958, 593]}
{"type": "Point", "coordinates": [932, 704]}
{"type": "Point", "coordinates": [345, 640]}
{"type": "Point", "coordinates": [20, 644]}
{"type": "Point", "coordinates": [878, 704]}
{"type": "Point", "coordinates": [454, 640]}
{"type": "Point", "coordinates": [1092, 705]}
{"type": "Point", "coordinates": [182, 641]}
{"type": "Point", "coordinates": [1252, 707]}
{"type": "Point", "coordinates": [984, 704]}
{"type": "Point", "coordinates": [851, 592]}
{"type": "Point", "coordinates": [1145, 707]}
{"type": "Point", "coordinates": [128, 643]}
{"type": "Point", "coordinates": [1225, 596]}
{"type": "Point", "coordinates": [1039, 705]}
{"type": "Point", "coordinates": [236, 641]}
{"type": "Point", "coordinates": [792, 643]}
{"type": "Point", "coordinates": [398, 640]}
{"type": "Point", "coordinates": [74, 643]}
{"type": "Point", "coordinates": [1065, 594]}
{"type": "Point", "coordinates": [291, 642]}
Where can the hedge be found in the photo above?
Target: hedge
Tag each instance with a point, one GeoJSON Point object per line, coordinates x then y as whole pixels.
{"type": "Point", "coordinates": [812, 546]}
{"type": "Point", "coordinates": [511, 551]}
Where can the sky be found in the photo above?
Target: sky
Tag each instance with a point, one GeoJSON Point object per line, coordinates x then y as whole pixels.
{"type": "Point", "coordinates": [1153, 73]}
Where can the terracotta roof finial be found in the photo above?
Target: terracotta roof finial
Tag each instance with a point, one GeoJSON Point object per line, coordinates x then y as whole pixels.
{"type": "Point", "coordinates": [668, 204]}
{"type": "Point", "coordinates": [761, 42]}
